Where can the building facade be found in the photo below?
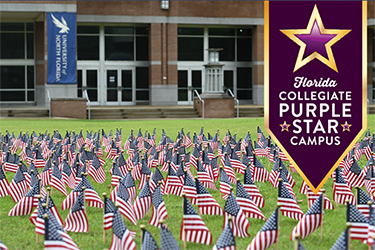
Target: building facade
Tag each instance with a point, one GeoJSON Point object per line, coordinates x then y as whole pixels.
{"type": "Point", "coordinates": [140, 52]}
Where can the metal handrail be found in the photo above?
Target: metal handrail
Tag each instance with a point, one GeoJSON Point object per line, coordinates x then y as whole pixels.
{"type": "Point", "coordinates": [236, 100]}
{"type": "Point", "coordinates": [49, 103]}
{"type": "Point", "coordinates": [196, 92]}
{"type": "Point", "coordinates": [88, 103]}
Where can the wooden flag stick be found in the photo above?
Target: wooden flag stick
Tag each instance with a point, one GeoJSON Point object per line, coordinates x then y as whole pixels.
{"type": "Point", "coordinates": [278, 225]}
{"type": "Point", "coordinates": [84, 197]}
{"type": "Point", "coordinates": [348, 225]}
{"type": "Point", "coordinates": [104, 231]}
{"type": "Point", "coordinates": [183, 222]}
{"type": "Point", "coordinates": [48, 195]}
{"type": "Point", "coordinates": [370, 204]}
{"type": "Point", "coordinates": [322, 214]}
{"type": "Point", "coordinates": [296, 241]}
{"type": "Point", "coordinates": [142, 227]}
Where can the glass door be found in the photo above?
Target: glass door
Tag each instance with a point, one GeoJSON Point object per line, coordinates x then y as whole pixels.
{"type": "Point", "coordinates": [87, 80]}
{"type": "Point", "coordinates": [119, 87]}
{"type": "Point", "coordinates": [188, 80]}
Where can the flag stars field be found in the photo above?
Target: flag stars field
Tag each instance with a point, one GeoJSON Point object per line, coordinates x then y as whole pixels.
{"type": "Point", "coordinates": [253, 157]}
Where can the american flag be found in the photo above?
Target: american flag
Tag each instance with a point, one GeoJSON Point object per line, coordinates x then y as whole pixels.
{"type": "Point", "coordinates": [225, 185]}
{"type": "Point", "coordinates": [248, 206]}
{"type": "Point", "coordinates": [239, 222]}
{"type": "Point", "coordinates": [259, 150]}
{"type": "Point", "coordinates": [145, 174]}
{"type": "Point", "coordinates": [370, 180]}
{"type": "Point", "coordinates": [155, 178]}
{"type": "Point", "coordinates": [193, 228]}
{"type": "Point", "coordinates": [96, 170]}
{"type": "Point", "coordinates": [252, 189]}
{"type": "Point", "coordinates": [55, 237]}
{"type": "Point", "coordinates": [362, 202]}
{"type": "Point", "coordinates": [359, 228]}
{"type": "Point", "coordinates": [68, 177]}
{"type": "Point", "coordinates": [189, 188]}
{"type": "Point", "coordinates": [37, 216]}
{"type": "Point", "coordinates": [109, 211]}
{"type": "Point", "coordinates": [206, 203]}
{"type": "Point", "coordinates": [310, 221]}
{"type": "Point", "coordinates": [80, 140]}
{"type": "Point", "coordinates": [229, 169]}
{"type": "Point", "coordinates": [173, 184]}
{"type": "Point", "coordinates": [258, 171]}
{"type": "Point", "coordinates": [91, 195]}
{"type": "Point", "coordinates": [27, 203]}
{"type": "Point", "coordinates": [115, 173]}
{"type": "Point", "coordinates": [130, 186]}
{"type": "Point", "coordinates": [204, 177]}
{"type": "Point", "coordinates": [188, 142]}
{"type": "Point", "coordinates": [226, 240]}
{"type": "Point", "coordinates": [38, 160]}
{"type": "Point", "coordinates": [123, 199]}
{"type": "Point", "coordinates": [236, 163]}
{"type": "Point", "coordinates": [143, 202]}
{"type": "Point", "coordinates": [10, 162]}
{"type": "Point", "coordinates": [57, 180]}
{"type": "Point", "coordinates": [289, 207]}
{"type": "Point", "coordinates": [260, 135]}
{"type": "Point", "coordinates": [46, 173]}
{"type": "Point", "coordinates": [121, 237]}
{"type": "Point", "coordinates": [311, 197]}
{"type": "Point", "coordinates": [354, 175]}
{"type": "Point", "coordinates": [159, 211]}
{"type": "Point", "coordinates": [4, 184]}
{"type": "Point", "coordinates": [77, 219]}
{"type": "Point", "coordinates": [18, 186]}
{"type": "Point", "coordinates": [194, 157]}
{"type": "Point", "coordinates": [267, 235]}
{"type": "Point", "coordinates": [148, 242]}
{"type": "Point", "coordinates": [341, 190]}
{"type": "Point", "coordinates": [342, 243]}
{"type": "Point", "coordinates": [3, 246]}
{"type": "Point", "coordinates": [167, 242]}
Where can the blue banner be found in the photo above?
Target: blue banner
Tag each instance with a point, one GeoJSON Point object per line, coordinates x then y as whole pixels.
{"type": "Point", "coordinates": [61, 37]}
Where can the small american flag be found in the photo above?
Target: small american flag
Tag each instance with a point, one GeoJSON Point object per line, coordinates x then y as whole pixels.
{"type": "Point", "coordinates": [190, 189]}
{"type": "Point", "coordinates": [173, 184]}
{"type": "Point", "coordinates": [342, 243]}
{"type": "Point", "coordinates": [121, 237]}
{"type": "Point", "coordinates": [252, 189]}
{"type": "Point", "coordinates": [130, 186]}
{"type": "Point", "coordinates": [148, 242]}
{"type": "Point", "coordinates": [68, 177]}
{"type": "Point", "coordinates": [159, 211]}
{"type": "Point", "coordinates": [4, 184]}
{"type": "Point", "coordinates": [362, 202]}
{"type": "Point", "coordinates": [371, 226]}
{"type": "Point", "coordinates": [267, 235]}
{"type": "Point", "coordinates": [225, 185]}
{"type": "Point", "coordinates": [123, 199]}
{"type": "Point", "coordinates": [109, 211]}
{"type": "Point", "coordinates": [258, 171]}
{"type": "Point", "coordinates": [55, 237]}
{"type": "Point", "coordinates": [226, 240]}
{"type": "Point", "coordinates": [311, 196]}
{"type": "Point", "coordinates": [289, 207]}
{"type": "Point", "coordinates": [248, 206]}
{"type": "Point", "coordinates": [57, 180]}
{"type": "Point", "coordinates": [354, 175]}
{"type": "Point", "coordinates": [143, 202]}
{"type": "Point", "coordinates": [206, 203]}
{"type": "Point", "coordinates": [310, 221]}
{"type": "Point", "coordinates": [3, 246]}
{"type": "Point", "coordinates": [46, 173]}
{"type": "Point", "coordinates": [193, 228]}
{"type": "Point", "coordinates": [18, 186]}
{"type": "Point", "coordinates": [77, 219]}
{"type": "Point", "coordinates": [27, 203]}
{"type": "Point", "coordinates": [359, 229]}
{"type": "Point", "coordinates": [145, 173]}
{"type": "Point", "coordinates": [167, 242]}
{"type": "Point", "coordinates": [229, 169]}
{"type": "Point", "coordinates": [96, 170]}
{"type": "Point", "coordinates": [341, 190]}
{"type": "Point", "coordinates": [204, 177]}
{"type": "Point", "coordinates": [155, 178]}
{"type": "Point", "coordinates": [239, 222]}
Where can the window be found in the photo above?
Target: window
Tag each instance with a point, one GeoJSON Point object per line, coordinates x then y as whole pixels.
{"type": "Point", "coordinates": [142, 81]}
{"type": "Point", "coordinates": [17, 41]}
{"type": "Point", "coordinates": [88, 42]}
{"type": "Point", "coordinates": [17, 83]}
{"type": "Point", "coordinates": [190, 44]}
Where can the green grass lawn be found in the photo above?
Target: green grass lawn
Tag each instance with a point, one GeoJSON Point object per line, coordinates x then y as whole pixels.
{"type": "Point", "coordinates": [18, 232]}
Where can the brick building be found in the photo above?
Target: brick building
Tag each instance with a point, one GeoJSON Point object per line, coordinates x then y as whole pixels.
{"type": "Point", "coordinates": [140, 52]}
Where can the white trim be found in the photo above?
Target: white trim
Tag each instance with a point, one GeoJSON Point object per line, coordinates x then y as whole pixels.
{"type": "Point", "coordinates": [172, 62]}
{"type": "Point", "coordinates": [37, 7]}
{"type": "Point", "coordinates": [371, 22]}
{"type": "Point", "coordinates": [258, 63]}
{"type": "Point", "coordinates": [175, 19]}
{"type": "Point", "coordinates": [155, 62]}
{"type": "Point", "coordinates": [17, 62]}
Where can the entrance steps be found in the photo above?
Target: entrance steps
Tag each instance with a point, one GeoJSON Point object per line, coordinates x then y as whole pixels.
{"type": "Point", "coordinates": [23, 112]}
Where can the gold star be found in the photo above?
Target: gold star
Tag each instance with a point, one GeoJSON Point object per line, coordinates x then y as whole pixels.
{"type": "Point", "coordinates": [346, 126]}
{"type": "Point", "coordinates": [284, 127]}
{"type": "Point", "coordinates": [315, 17]}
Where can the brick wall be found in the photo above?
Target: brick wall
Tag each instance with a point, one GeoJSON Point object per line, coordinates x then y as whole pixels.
{"type": "Point", "coordinates": [70, 108]}
{"type": "Point", "coordinates": [216, 108]}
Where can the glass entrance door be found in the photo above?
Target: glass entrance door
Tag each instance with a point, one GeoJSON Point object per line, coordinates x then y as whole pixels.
{"type": "Point", "coordinates": [188, 80]}
{"type": "Point", "coordinates": [87, 80]}
{"type": "Point", "coordinates": [119, 87]}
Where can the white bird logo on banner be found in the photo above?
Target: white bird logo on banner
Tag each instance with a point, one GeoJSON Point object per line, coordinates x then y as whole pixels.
{"type": "Point", "coordinates": [63, 25]}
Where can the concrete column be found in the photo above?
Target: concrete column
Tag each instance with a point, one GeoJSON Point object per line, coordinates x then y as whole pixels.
{"type": "Point", "coordinates": [40, 68]}
{"type": "Point", "coordinates": [258, 62]}
{"type": "Point", "coordinates": [163, 64]}
{"type": "Point", "coordinates": [370, 59]}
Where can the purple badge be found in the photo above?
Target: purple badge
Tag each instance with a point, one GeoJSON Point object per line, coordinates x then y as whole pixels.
{"type": "Point", "coordinates": [315, 82]}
